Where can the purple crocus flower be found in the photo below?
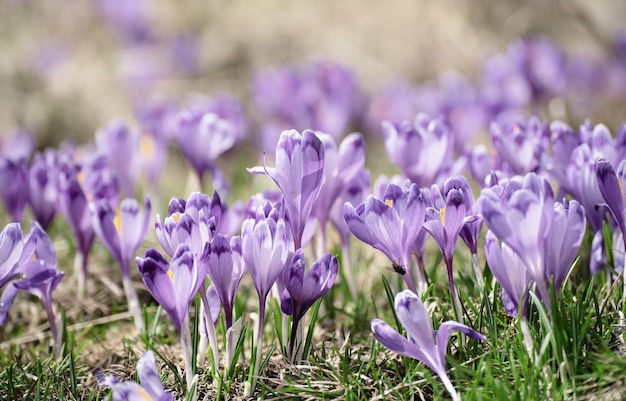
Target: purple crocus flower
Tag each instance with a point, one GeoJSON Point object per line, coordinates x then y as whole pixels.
{"type": "Point", "coordinates": [174, 285]}
{"type": "Point", "coordinates": [267, 248]}
{"type": "Point", "coordinates": [520, 145]}
{"type": "Point", "coordinates": [510, 271]}
{"type": "Point", "coordinates": [202, 138]}
{"type": "Point", "coordinates": [611, 188]}
{"type": "Point", "coordinates": [341, 167]}
{"type": "Point", "coordinates": [19, 146]}
{"type": "Point", "coordinates": [529, 205]}
{"type": "Point", "coordinates": [225, 268]}
{"type": "Point", "coordinates": [151, 387]}
{"type": "Point", "coordinates": [420, 149]}
{"type": "Point", "coordinates": [122, 231]}
{"type": "Point", "coordinates": [39, 277]}
{"type": "Point", "coordinates": [14, 252]}
{"type": "Point", "coordinates": [395, 101]}
{"type": "Point", "coordinates": [121, 146]}
{"type": "Point", "coordinates": [303, 288]}
{"type": "Point", "coordinates": [391, 225]}
{"type": "Point", "coordinates": [299, 173]}
{"type": "Point", "coordinates": [424, 344]}
{"type": "Point", "coordinates": [42, 186]}
{"type": "Point", "coordinates": [14, 186]}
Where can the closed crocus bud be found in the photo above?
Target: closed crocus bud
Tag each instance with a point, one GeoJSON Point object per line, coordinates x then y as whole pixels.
{"type": "Point", "coordinates": [420, 149]}
{"type": "Point", "coordinates": [299, 173]}
{"type": "Point", "coordinates": [42, 186]}
{"type": "Point", "coordinates": [14, 186]}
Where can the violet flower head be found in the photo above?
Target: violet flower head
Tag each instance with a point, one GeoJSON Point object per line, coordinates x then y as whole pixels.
{"type": "Point", "coordinates": [566, 235]}
{"type": "Point", "coordinates": [510, 271]}
{"type": "Point", "coordinates": [267, 247]}
{"type": "Point", "coordinates": [355, 192]}
{"type": "Point", "coordinates": [122, 230]}
{"type": "Point", "coordinates": [175, 284]}
{"type": "Point", "coordinates": [424, 344]}
{"type": "Point", "coordinates": [226, 108]}
{"type": "Point", "coordinates": [472, 222]}
{"type": "Point", "coordinates": [14, 186]}
{"type": "Point", "coordinates": [395, 101]}
{"type": "Point", "coordinates": [19, 146]}
{"type": "Point", "coordinates": [202, 138]}
{"type": "Point", "coordinates": [420, 149]}
{"type": "Point", "coordinates": [341, 167]}
{"type": "Point", "coordinates": [14, 252]}
{"type": "Point", "coordinates": [299, 173]}
{"type": "Point", "coordinates": [121, 146]}
{"type": "Point", "coordinates": [390, 224]}
{"type": "Point", "coordinates": [42, 186]}
{"type": "Point", "coordinates": [151, 387]}
{"type": "Point", "coordinates": [520, 145]}
{"type": "Point", "coordinates": [225, 268]}
{"type": "Point", "coordinates": [303, 288]}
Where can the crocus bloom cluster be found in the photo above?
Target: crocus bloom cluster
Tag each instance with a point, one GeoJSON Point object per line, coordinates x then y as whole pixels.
{"type": "Point", "coordinates": [423, 343]}
{"type": "Point", "coordinates": [391, 225]}
{"type": "Point", "coordinates": [151, 387]}
{"type": "Point", "coordinates": [299, 173]}
{"type": "Point", "coordinates": [421, 150]}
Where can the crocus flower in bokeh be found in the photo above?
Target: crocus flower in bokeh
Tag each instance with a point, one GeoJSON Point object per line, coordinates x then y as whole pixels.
{"type": "Point", "coordinates": [14, 186]}
{"type": "Point", "coordinates": [611, 187]}
{"type": "Point", "coordinates": [302, 289]}
{"type": "Point", "coordinates": [391, 225]}
{"type": "Point", "coordinates": [423, 343]}
{"type": "Point", "coordinates": [520, 145]}
{"type": "Point", "coordinates": [151, 387]}
{"type": "Point", "coordinates": [122, 231]}
{"type": "Point", "coordinates": [174, 285]}
{"type": "Point", "coordinates": [299, 173]}
{"type": "Point", "coordinates": [42, 186]}
{"type": "Point", "coordinates": [19, 146]}
{"type": "Point", "coordinates": [202, 138]}
{"type": "Point", "coordinates": [395, 101]}
{"type": "Point", "coordinates": [420, 149]}
{"type": "Point", "coordinates": [267, 247]}
{"type": "Point", "coordinates": [121, 146]}
{"type": "Point", "coordinates": [39, 276]}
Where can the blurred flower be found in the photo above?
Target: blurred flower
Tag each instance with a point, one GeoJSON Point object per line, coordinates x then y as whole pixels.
{"type": "Point", "coordinates": [121, 146]}
{"type": "Point", "coordinates": [42, 185]}
{"type": "Point", "coordinates": [521, 145]}
{"type": "Point", "coordinates": [391, 225]}
{"type": "Point", "coordinates": [14, 186]}
{"type": "Point", "coordinates": [395, 101]}
{"type": "Point", "coordinates": [420, 149]}
{"type": "Point", "coordinates": [14, 252]}
{"type": "Point", "coordinates": [299, 173]}
{"type": "Point", "coordinates": [303, 288]}
{"type": "Point", "coordinates": [612, 190]}
{"type": "Point", "coordinates": [424, 344]}
{"type": "Point", "coordinates": [151, 387]}
{"type": "Point", "coordinates": [19, 146]}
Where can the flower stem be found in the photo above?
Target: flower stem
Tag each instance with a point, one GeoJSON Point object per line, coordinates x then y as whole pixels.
{"type": "Point", "coordinates": [211, 329]}
{"type": "Point", "coordinates": [348, 270]}
{"type": "Point", "coordinates": [80, 268]}
{"type": "Point", "coordinates": [455, 297]}
{"type": "Point", "coordinates": [133, 302]}
{"type": "Point", "coordinates": [258, 349]}
{"type": "Point", "coordinates": [56, 335]}
{"type": "Point", "coordinates": [185, 342]}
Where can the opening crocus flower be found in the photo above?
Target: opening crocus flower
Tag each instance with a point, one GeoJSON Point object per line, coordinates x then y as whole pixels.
{"type": "Point", "coordinates": [122, 232]}
{"type": "Point", "coordinates": [303, 288]}
{"type": "Point", "coordinates": [174, 285]}
{"type": "Point", "coordinates": [299, 173]}
{"type": "Point", "coordinates": [424, 344]}
{"type": "Point", "coordinates": [391, 225]}
{"type": "Point", "coordinates": [14, 252]}
{"type": "Point", "coordinates": [39, 277]}
{"type": "Point", "coordinates": [267, 247]}
{"type": "Point", "coordinates": [151, 388]}
{"type": "Point", "coordinates": [420, 149]}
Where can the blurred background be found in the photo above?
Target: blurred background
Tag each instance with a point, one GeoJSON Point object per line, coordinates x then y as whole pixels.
{"type": "Point", "coordinates": [67, 69]}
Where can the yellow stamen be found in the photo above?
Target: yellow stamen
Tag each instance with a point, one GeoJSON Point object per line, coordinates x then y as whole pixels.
{"type": "Point", "coordinates": [80, 177]}
{"type": "Point", "coordinates": [143, 394]}
{"type": "Point", "coordinates": [146, 145]}
{"type": "Point", "coordinates": [117, 221]}
{"type": "Point", "coordinates": [442, 214]}
{"type": "Point", "coordinates": [389, 202]}
{"type": "Point", "coordinates": [34, 257]}
{"type": "Point", "coordinates": [621, 189]}
{"type": "Point", "coordinates": [171, 274]}
{"type": "Point", "coordinates": [176, 216]}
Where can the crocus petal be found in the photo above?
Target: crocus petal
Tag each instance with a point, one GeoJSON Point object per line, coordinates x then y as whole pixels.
{"type": "Point", "coordinates": [611, 191]}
